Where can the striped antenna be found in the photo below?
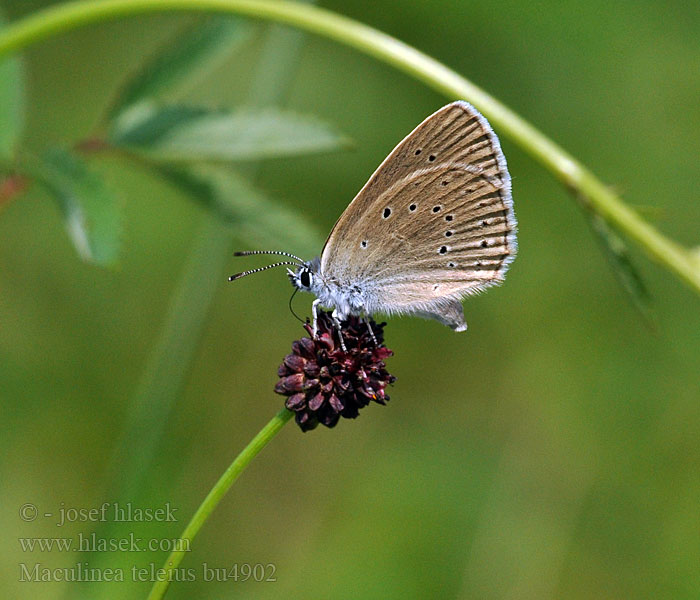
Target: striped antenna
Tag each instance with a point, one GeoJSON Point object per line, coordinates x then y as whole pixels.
{"type": "Point", "coordinates": [244, 273]}
{"type": "Point", "coordinates": [278, 252]}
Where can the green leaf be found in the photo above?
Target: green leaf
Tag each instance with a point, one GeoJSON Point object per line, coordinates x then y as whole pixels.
{"type": "Point", "coordinates": [181, 62]}
{"type": "Point", "coordinates": [260, 220]}
{"type": "Point", "coordinates": [11, 103]}
{"type": "Point", "coordinates": [186, 134]}
{"type": "Point", "coordinates": [626, 273]}
{"type": "Point", "coordinates": [90, 209]}
{"type": "Point", "coordinates": [143, 124]}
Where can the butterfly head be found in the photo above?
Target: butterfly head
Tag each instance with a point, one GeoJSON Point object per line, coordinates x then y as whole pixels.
{"type": "Point", "coordinates": [306, 277]}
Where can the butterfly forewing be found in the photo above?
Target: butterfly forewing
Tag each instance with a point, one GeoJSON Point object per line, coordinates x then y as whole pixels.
{"type": "Point", "coordinates": [434, 223]}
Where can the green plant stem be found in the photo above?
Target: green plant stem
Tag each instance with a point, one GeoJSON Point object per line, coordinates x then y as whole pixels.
{"type": "Point", "coordinates": [592, 192]}
{"type": "Point", "coordinates": [215, 495]}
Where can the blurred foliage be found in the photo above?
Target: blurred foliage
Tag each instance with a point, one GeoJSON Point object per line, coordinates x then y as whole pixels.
{"type": "Point", "coordinates": [620, 259]}
{"type": "Point", "coordinates": [179, 64]}
{"type": "Point", "coordinates": [91, 214]}
{"type": "Point", "coordinates": [251, 214]}
{"type": "Point", "coordinates": [144, 129]}
{"type": "Point", "coordinates": [549, 452]}
{"type": "Point", "coordinates": [11, 103]}
{"type": "Point", "coordinates": [190, 134]}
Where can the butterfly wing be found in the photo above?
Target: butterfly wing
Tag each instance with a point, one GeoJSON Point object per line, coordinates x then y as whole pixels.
{"type": "Point", "coordinates": [433, 224]}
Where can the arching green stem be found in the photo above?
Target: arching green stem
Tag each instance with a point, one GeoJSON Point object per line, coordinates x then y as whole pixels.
{"type": "Point", "coordinates": [589, 189]}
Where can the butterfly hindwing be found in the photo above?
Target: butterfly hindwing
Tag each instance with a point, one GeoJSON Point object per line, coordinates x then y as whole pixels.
{"type": "Point", "coordinates": [434, 222]}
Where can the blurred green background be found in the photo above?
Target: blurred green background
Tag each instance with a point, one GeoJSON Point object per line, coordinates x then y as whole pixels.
{"type": "Point", "coordinates": [552, 451]}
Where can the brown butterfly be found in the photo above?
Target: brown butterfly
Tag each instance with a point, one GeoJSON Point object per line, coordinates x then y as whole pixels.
{"type": "Point", "coordinates": [433, 224]}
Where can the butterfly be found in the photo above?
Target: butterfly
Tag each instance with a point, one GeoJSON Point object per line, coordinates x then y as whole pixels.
{"type": "Point", "coordinates": [433, 224]}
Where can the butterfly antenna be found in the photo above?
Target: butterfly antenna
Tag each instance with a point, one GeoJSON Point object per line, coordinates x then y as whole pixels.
{"type": "Point", "coordinates": [291, 310]}
{"type": "Point", "coordinates": [244, 273]}
{"type": "Point", "coordinates": [278, 252]}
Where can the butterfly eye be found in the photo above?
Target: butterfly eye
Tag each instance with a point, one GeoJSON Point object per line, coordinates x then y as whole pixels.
{"type": "Point", "coordinates": [305, 278]}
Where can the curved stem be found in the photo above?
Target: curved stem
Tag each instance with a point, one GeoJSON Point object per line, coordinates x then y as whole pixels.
{"type": "Point", "coordinates": [214, 497]}
{"type": "Point", "coordinates": [593, 193]}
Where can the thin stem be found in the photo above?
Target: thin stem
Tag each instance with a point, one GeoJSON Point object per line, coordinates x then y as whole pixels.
{"type": "Point", "coordinates": [214, 497]}
{"type": "Point", "coordinates": [588, 189]}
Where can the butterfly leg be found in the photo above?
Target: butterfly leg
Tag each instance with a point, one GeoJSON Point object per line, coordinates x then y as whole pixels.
{"type": "Point", "coordinates": [314, 312]}
{"type": "Point", "coordinates": [369, 328]}
{"type": "Point", "coordinates": [338, 326]}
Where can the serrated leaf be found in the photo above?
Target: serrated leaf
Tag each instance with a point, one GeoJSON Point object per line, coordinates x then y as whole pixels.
{"type": "Point", "coordinates": [179, 63]}
{"type": "Point", "coordinates": [626, 273]}
{"type": "Point", "coordinates": [187, 134]}
{"type": "Point", "coordinates": [11, 102]}
{"type": "Point", "coordinates": [254, 216]}
{"type": "Point", "coordinates": [90, 209]}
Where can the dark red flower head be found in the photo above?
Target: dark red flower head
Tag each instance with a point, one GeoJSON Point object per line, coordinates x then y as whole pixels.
{"type": "Point", "coordinates": [323, 382]}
